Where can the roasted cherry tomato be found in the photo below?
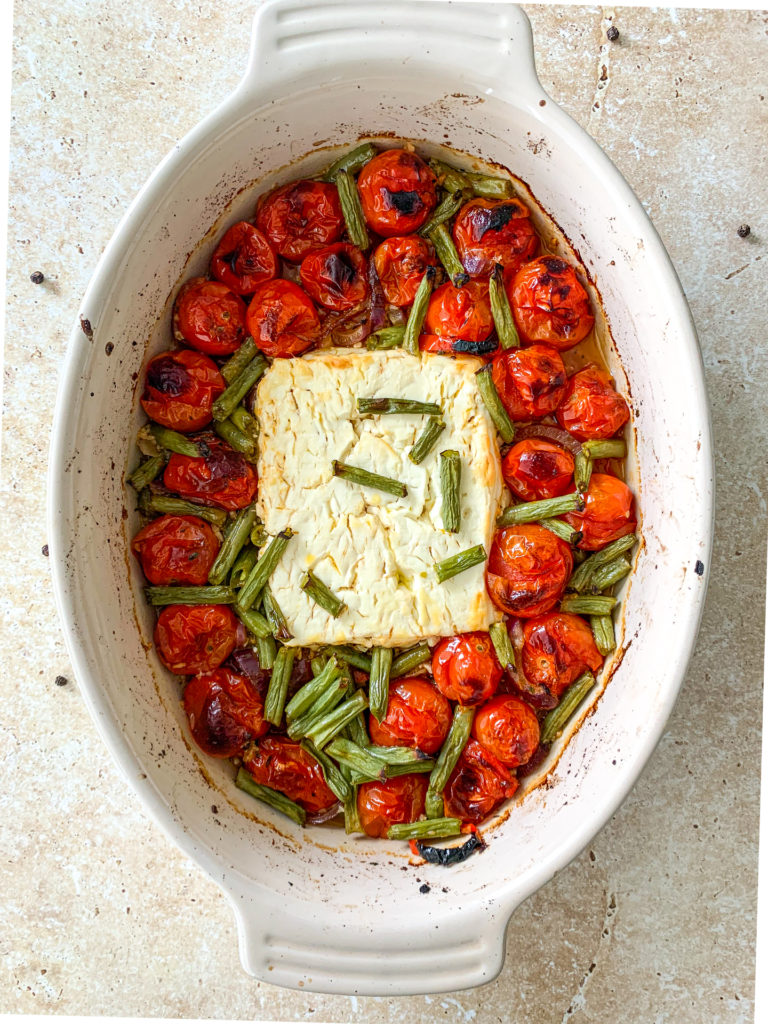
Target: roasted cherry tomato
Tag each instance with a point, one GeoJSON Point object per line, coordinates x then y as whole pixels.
{"type": "Point", "coordinates": [550, 304]}
{"type": "Point", "coordinates": [176, 549]}
{"type": "Point", "coordinates": [397, 191]}
{"type": "Point", "coordinates": [336, 276]}
{"type": "Point", "coordinates": [477, 785]}
{"type": "Point", "coordinates": [390, 802]}
{"type": "Point", "coordinates": [459, 320]}
{"type": "Point", "coordinates": [193, 638]}
{"type": "Point", "coordinates": [222, 477]}
{"type": "Point", "coordinates": [535, 469]}
{"type": "Point", "coordinates": [180, 389]}
{"type": "Point", "coordinates": [244, 259]}
{"type": "Point", "coordinates": [557, 648]}
{"type": "Point", "coordinates": [209, 317]}
{"type": "Point", "coordinates": [417, 715]}
{"type": "Point", "coordinates": [282, 319]}
{"type": "Point", "coordinates": [490, 231]}
{"type": "Point", "coordinates": [300, 218]}
{"type": "Point", "coordinates": [281, 764]}
{"type": "Point", "coordinates": [608, 512]}
{"type": "Point", "coordinates": [531, 382]}
{"type": "Point", "coordinates": [466, 668]}
{"type": "Point", "coordinates": [225, 712]}
{"type": "Point", "coordinates": [400, 265]}
{"type": "Point", "coordinates": [527, 569]}
{"type": "Point", "coordinates": [508, 728]}
{"type": "Point", "coordinates": [592, 408]}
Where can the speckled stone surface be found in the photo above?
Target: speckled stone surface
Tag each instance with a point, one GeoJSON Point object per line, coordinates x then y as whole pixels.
{"type": "Point", "coordinates": [655, 921]}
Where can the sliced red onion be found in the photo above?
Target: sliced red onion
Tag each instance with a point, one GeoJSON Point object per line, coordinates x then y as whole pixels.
{"type": "Point", "coordinates": [377, 315]}
{"type": "Point", "coordinates": [548, 433]}
{"type": "Point", "coordinates": [327, 815]}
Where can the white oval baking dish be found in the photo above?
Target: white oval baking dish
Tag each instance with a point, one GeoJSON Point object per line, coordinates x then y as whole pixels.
{"type": "Point", "coordinates": [316, 909]}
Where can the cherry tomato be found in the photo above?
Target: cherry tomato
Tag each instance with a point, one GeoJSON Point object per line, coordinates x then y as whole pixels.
{"type": "Point", "coordinates": [301, 217]}
{"type": "Point", "coordinates": [244, 259]}
{"type": "Point", "coordinates": [281, 764]}
{"type": "Point", "coordinates": [196, 637]}
{"type": "Point", "coordinates": [466, 669]}
{"type": "Point", "coordinates": [176, 549]}
{"type": "Point", "coordinates": [222, 477]}
{"type": "Point", "coordinates": [180, 389]}
{"type": "Point", "coordinates": [400, 265]}
{"type": "Point", "coordinates": [209, 317]}
{"type": "Point", "coordinates": [557, 648]}
{"type": "Point", "coordinates": [508, 728]}
{"type": "Point", "coordinates": [459, 320]}
{"type": "Point", "coordinates": [336, 276]}
{"type": "Point", "coordinates": [550, 304]}
{"type": "Point", "coordinates": [527, 569]}
{"type": "Point", "coordinates": [390, 802]}
{"type": "Point", "coordinates": [477, 785]}
{"type": "Point", "coordinates": [490, 231]}
{"type": "Point", "coordinates": [592, 408]}
{"type": "Point", "coordinates": [531, 382]}
{"type": "Point", "coordinates": [417, 715]}
{"type": "Point", "coordinates": [225, 712]}
{"type": "Point", "coordinates": [397, 191]}
{"type": "Point", "coordinates": [608, 512]}
{"type": "Point", "coordinates": [536, 469]}
{"type": "Point", "coordinates": [282, 319]}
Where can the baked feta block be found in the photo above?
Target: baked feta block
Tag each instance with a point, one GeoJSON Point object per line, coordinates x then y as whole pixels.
{"type": "Point", "coordinates": [375, 551]}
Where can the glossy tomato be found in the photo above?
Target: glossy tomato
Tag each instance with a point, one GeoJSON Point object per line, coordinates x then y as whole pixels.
{"type": "Point", "coordinates": [390, 802]}
{"type": "Point", "coordinates": [209, 317]}
{"type": "Point", "coordinates": [459, 320]}
{"type": "Point", "coordinates": [417, 715]}
{"type": "Point", "coordinates": [336, 276]}
{"type": "Point", "coordinates": [196, 637]}
{"type": "Point", "coordinates": [282, 319]}
{"type": "Point", "coordinates": [527, 569]}
{"type": "Point", "coordinates": [300, 218]}
{"type": "Point", "coordinates": [400, 265]}
{"type": "Point", "coordinates": [557, 648]}
{"type": "Point", "coordinates": [244, 259]}
{"type": "Point", "coordinates": [466, 668]}
{"type": "Point", "coordinates": [491, 231]}
{"type": "Point", "coordinates": [176, 549]}
{"type": "Point", "coordinates": [397, 191]}
{"type": "Point", "coordinates": [531, 381]}
{"type": "Point", "coordinates": [220, 477]}
{"type": "Point", "coordinates": [608, 514]}
{"type": "Point", "coordinates": [592, 408]}
{"type": "Point", "coordinates": [508, 728]}
{"type": "Point", "coordinates": [535, 469]}
{"type": "Point", "coordinates": [225, 712]}
{"type": "Point", "coordinates": [180, 389]}
{"type": "Point", "coordinates": [550, 304]}
{"type": "Point", "coordinates": [283, 765]}
{"type": "Point", "coordinates": [477, 785]}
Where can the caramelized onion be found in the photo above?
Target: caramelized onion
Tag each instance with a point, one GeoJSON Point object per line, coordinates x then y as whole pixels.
{"type": "Point", "coordinates": [550, 433]}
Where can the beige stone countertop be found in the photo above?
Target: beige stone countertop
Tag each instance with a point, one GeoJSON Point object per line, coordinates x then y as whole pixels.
{"type": "Point", "coordinates": [655, 921]}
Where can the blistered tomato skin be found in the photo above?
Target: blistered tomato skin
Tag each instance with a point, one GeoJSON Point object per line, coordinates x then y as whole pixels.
{"type": "Point", "coordinates": [531, 382]}
{"type": "Point", "coordinates": [300, 218]}
{"type": "Point", "coordinates": [418, 715]}
{"type": "Point", "coordinates": [176, 550]}
{"type": "Point", "coordinates": [180, 388]}
{"type": "Point", "coordinates": [477, 785]}
{"type": "Point", "coordinates": [557, 648]}
{"type": "Point", "coordinates": [508, 728]}
{"type": "Point", "coordinates": [536, 469]}
{"type": "Point", "coordinates": [195, 638]}
{"type": "Point", "coordinates": [225, 712]}
{"type": "Point", "coordinates": [390, 802]}
{"type": "Point", "coordinates": [466, 669]}
{"type": "Point", "coordinates": [282, 319]}
{"type": "Point", "coordinates": [491, 231]}
{"type": "Point", "coordinates": [459, 320]}
{"type": "Point", "coordinates": [336, 276]}
{"type": "Point", "coordinates": [281, 764]}
{"type": "Point", "coordinates": [244, 259]}
{"type": "Point", "coordinates": [609, 512]}
{"type": "Point", "coordinates": [398, 192]}
{"type": "Point", "coordinates": [400, 265]}
{"type": "Point", "coordinates": [527, 570]}
{"type": "Point", "coordinates": [550, 304]}
{"type": "Point", "coordinates": [592, 409]}
{"type": "Point", "coordinates": [222, 477]}
{"type": "Point", "coordinates": [209, 317]}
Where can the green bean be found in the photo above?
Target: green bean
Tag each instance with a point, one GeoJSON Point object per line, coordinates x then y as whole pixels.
{"type": "Point", "coordinates": [275, 617]}
{"type": "Point", "coordinates": [279, 801]}
{"type": "Point", "coordinates": [378, 682]}
{"type": "Point", "coordinates": [266, 648]}
{"type": "Point", "coordinates": [490, 188]}
{"type": "Point", "coordinates": [326, 702]}
{"type": "Point", "coordinates": [532, 511]}
{"type": "Point", "coordinates": [237, 362]}
{"type": "Point", "coordinates": [503, 319]}
{"type": "Point", "coordinates": [397, 755]}
{"type": "Point", "coordinates": [363, 477]}
{"type": "Point", "coordinates": [358, 758]}
{"type": "Point", "coordinates": [562, 530]}
{"type": "Point", "coordinates": [410, 659]}
{"type": "Point", "coordinates": [410, 768]}
{"type": "Point", "coordinates": [322, 595]}
{"type": "Point", "coordinates": [334, 779]}
{"type": "Point", "coordinates": [352, 162]}
{"type": "Point", "coordinates": [235, 438]}
{"type": "Point", "coordinates": [427, 439]}
{"type": "Point", "coordinates": [449, 178]}
{"type": "Point", "coordinates": [331, 725]}
{"type": "Point", "coordinates": [395, 406]}
{"type": "Point", "coordinates": [308, 694]}
{"type": "Point", "coordinates": [582, 471]}
{"type": "Point", "coordinates": [449, 754]}
{"type": "Point", "coordinates": [417, 312]}
{"type": "Point", "coordinates": [578, 605]}
{"type": "Point", "coordinates": [493, 404]}
{"type": "Point", "coordinates": [318, 663]}
{"type": "Point", "coordinates": [263, 569]}
{"type": "Point", "coordinates": [232, 545]}
{"type": "Point", "coordinates": [274, 703]}
{"type": "Point", "coordinates": [228, 400]}
{"type": "Point", "coordinates": [246, 423]}
{"type": "Point", "coordinates": [557, 718]}
{"type": "Point", "coordinates": [450, 567]}
{"type": "Point", "coordinates": [146, 472]}
{"type": "Point", "coordinates": [582, 577]}
{"type": "Point", "coordinates": [352, 209]}
{"type": "Point", "coordinates": [255, 623]}
{"type": "Point", "coordinates": [353, 656]}
{"type": "Point", "coordinates": [432, 828]}
{"type": "Point", "coordinates": [446, 252]}
{"type": "Point", "coordinates": [602, 628]}
{"type": "Point", "coordinates": [173, 441]}
{"type": "Point", "coordinates": [351, 814]}
{"type": "Point", "coordinates": [244, 562]}
{"type": "Point", "coordinates": [387, 337]}
{"type": "Point", "coordinates": [502, 645]}
{"type": "Point", "coordinates": [189, 595]}
{"type": "Point", "coordinates": [445, 210]}
{"type": "Point", "coordinates": [450, 489]}
{"type": "Point", "coordinates": [357, 732]}
{"type": "Point", "coordinates": [163, 504]}
{"type": "Point", "coordinates": [614, 448]}
{"type": "Point", "coordinates": [609, 574]}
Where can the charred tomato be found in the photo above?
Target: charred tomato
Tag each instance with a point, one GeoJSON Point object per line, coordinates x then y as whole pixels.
{"type": "Point", "coordinates": [535, 469]}
{"type": "Point", "coordinates": [557, 648]}
{"type": "Point", "coordinates": [608, 512]}
{"type": "Point", "coordinates": [397, 191]}
{"type": "Point", "coordinates": [400, 265]}
{"type": "Point", "coordinates": [195, 638]}
{"type": "Point", "coordinates": [300, 218]}
{"type": "Point", "coordinates": [527, 570]}
{"type": "Point", "coordinates": [209, 316]}
{"type": "Point", "coordinates": [417, 715]}
{"type": "Point", "coordinates": [282, 319]}
{"type": "Point", "coordinates": [592, 409]}
{"type": "Point", "coordinates": [477, 785]}
{"type": "Point", "coordinates": [225, 712]}
{"type": "Point", "coordinates": [176, 549]}
{"type": "Point", "coordinates": [491, 231]}
{"type": "Point", "coordinates": [218, 477]}
{"type": "Point", "coordinates": [390, 802]}
{"type": "Point", "coordinates": [180, 388]}
{"type": "Point", "coordinates": [531, 382]}
{"type": "Point", "coordinates": [466, 669]}
{"type": "Point", "coordinates": [281, 764]}
{"type": "Point", "coordinates": [550, 304]}
{"type": "Point", "coordinates": [336, 277]}
{"type": "Point", "coordinates": [459, 320]}
{"type": "Point", "coordinates": [508, 728]}
{"type": "Point", "coordinates": [244, 259]}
